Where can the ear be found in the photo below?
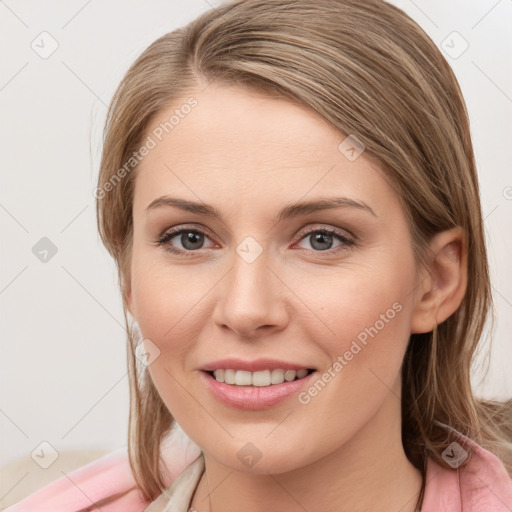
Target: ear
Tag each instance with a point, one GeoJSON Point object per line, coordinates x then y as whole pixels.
{"type": "Point", "coordinates": [443, 284]}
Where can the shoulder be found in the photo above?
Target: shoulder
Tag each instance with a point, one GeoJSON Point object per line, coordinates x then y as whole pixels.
{"type": "Point", "coordinates": [75, 490]}
{"type": "Point", "coordinates": [477, 480]}
{"type": "Point", "coordinates": [104, 477]}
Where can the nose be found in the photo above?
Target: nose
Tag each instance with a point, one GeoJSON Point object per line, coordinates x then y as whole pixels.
{"type": "Point", "coordinates": [252, 299]}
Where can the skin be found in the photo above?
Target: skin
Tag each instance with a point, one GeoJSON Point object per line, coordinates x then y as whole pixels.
{"type": "Point", "coordinates": [248, 156]}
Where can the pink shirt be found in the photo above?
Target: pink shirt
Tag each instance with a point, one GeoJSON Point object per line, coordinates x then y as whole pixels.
{"type": "Point", "coordinates": [482, 484]}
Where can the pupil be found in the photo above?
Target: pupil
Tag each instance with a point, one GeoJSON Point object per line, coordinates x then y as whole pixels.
{"type": "Point", "coordinates": [320, 237]}
{"type": "Point", "coordinates": [190, 237]}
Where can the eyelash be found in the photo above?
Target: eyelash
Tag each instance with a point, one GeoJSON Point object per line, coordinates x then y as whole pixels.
{"type": "Point", "coordinates": [163, 240]}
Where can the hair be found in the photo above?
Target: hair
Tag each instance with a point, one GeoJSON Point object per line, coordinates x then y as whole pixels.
{"type": "Point", "coordinates": [370, 71]}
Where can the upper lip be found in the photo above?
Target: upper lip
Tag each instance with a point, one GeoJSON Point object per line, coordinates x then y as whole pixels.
{"type": "Point", "coordinates": [252, 366]}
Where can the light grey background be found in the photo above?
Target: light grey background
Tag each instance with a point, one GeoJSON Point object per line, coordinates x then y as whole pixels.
{"type": "Point", "coordinates": [62, 364]}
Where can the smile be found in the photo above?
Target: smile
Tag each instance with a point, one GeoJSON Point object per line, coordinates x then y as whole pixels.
{"type": "Point", "coordinates": [260, 378]}
{"type": "Point", "coordinates": [253, 396]}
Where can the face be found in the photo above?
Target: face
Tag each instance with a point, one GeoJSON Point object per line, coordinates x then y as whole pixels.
{"type": "Point", "coordinates": [330, 290]}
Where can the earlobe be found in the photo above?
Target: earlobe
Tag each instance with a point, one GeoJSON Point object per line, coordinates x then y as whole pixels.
{"type": "Point", "coordinates": [442, 289]}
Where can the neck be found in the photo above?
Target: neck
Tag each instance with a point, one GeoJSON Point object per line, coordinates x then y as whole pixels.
{"type": "Point", "coordinates": [367, 472]}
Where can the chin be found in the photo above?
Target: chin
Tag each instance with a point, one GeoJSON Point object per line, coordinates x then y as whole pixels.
{"type": "Point", "coordinates": [258, 457]}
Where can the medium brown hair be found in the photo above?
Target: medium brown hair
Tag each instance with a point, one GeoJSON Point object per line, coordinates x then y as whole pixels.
{"type": "Point", "coordinates": [370, 71]}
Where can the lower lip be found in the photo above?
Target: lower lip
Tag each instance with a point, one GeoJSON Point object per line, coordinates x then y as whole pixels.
{"type": "Point", "coordinates": [254, 397]}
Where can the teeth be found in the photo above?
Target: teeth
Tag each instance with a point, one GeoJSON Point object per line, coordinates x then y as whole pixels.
{"type": "Point", "coordinates": [277, 377]}
{"type": "Point", "coordinates": [243, 378]}
{"type": "Point", "coordinates": [289, 375]}
{"type": "Point", "coordinates": [260, 378]}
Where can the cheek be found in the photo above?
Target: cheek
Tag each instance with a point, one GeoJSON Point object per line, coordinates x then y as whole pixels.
{"type": "Point", "coordinates": [166, 304]}
{"type": "Point", "coordinates": [166, 299]}
{"type": "Point", "coordinates": [365, 314]}
{"type": "Point", "coordinates": [370, 316]}
{"type": "Point", "coordinates": [375, 292]}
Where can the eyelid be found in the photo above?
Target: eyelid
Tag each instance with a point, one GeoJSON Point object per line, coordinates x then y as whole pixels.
{"type": "Point", "coordinates": [304, 231]}
{"type": "Point", "coordinates": [184, 227]}
{"type": "Point", "coordinates": [326, 227]}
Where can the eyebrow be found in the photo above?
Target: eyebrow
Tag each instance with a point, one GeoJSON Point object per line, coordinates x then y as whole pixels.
{"type": "Point", "coordinates": [289, 211]}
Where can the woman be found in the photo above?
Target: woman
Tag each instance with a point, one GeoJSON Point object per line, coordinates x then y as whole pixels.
{"type": "Point", "coordinates": [289, 191]}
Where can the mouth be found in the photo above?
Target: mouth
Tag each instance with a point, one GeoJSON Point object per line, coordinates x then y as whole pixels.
{"type": "Point", "coordinates": [262, 378]}
{"type": "Point", "coordinates": [256, 390]}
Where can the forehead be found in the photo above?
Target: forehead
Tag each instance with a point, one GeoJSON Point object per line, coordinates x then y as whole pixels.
{"type": "Point", "coordinates": [229, 123]}
{"type": "Point", "coordinates": [239, 145]}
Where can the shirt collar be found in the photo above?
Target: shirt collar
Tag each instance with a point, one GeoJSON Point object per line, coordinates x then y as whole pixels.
{"type": "Point", "coordinates": [178, 496]}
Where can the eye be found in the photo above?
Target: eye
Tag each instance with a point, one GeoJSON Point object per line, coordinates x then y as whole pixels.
{"type": "Point", "coordinates": [322, 240]}
{"type": "Point", "coordinates": [190, 240]}
{"type": "Point", "coordinates": [193, 239]}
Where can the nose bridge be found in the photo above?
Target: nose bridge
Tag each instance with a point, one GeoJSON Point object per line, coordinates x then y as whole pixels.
{"type": "Point", "coordinates": [250, 296]}
{"type": "Point", "coordinates": [250, 269]}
